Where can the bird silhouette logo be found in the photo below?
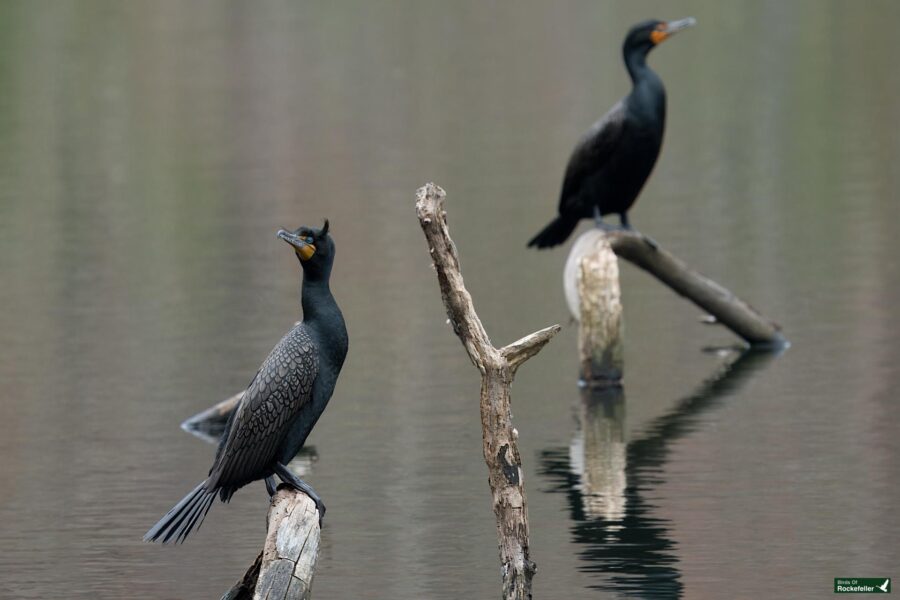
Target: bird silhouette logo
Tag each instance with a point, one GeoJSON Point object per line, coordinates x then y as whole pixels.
{"type": "Point", "coordinates": [884, 587]}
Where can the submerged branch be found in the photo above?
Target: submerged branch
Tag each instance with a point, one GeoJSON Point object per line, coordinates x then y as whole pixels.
{"type": "Point", "coordinates": [209, 424]}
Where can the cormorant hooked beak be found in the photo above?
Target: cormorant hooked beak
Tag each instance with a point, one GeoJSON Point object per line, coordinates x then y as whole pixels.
{"type": "Point", "coordinates": [664, 31]}
{"type": "Point", "coordinates": [302, 246]}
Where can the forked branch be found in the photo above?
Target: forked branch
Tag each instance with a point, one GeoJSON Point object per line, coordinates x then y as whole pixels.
{"type": "Point", "coordinates": [497, 367]}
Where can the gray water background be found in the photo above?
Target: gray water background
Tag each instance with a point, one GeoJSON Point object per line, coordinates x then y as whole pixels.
{"type": "Point", "coordinates": [149, 152]}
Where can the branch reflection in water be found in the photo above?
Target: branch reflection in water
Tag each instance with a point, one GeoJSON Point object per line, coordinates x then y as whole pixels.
{"type": "Point", "coordinates": [606, 480]}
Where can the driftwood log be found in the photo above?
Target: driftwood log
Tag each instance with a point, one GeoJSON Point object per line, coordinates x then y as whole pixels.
{"type": "Point", "coordinates": [285, 568]}
{"type": "Point", "coordinates": [497, 367]}
{"type": "Point", "coordinates": [591, 284]}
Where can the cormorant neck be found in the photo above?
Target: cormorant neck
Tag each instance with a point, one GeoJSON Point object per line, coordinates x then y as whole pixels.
{"type": "Point", "coordinates": [316, 298]}
{"type": "Point", "coordinates": [648, 96]}
{"type": "Point", "coordinates": [636, 63]}
{"type": "Point", "coordinates": [323, 317]}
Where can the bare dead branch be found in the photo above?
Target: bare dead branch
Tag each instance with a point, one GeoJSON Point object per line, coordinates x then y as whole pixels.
{"type": "Point", "coordinates": [521, 350]}
{"type": "Point", "coordinates": [497, 368]}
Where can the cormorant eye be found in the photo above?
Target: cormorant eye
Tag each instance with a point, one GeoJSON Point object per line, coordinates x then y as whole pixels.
{"type": "Point", "coordinates": [309, 239]}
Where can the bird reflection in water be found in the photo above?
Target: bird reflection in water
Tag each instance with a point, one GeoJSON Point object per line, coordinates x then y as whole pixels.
{"type": "Point", "coordinates": [606, 481]}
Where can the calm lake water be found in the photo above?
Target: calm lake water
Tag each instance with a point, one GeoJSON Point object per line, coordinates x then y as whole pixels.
{"type": "Point", "coordinates": [149, 152]}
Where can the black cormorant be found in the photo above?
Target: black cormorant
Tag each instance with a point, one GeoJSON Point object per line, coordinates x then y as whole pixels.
{"type": "Point", "coordinates": [283, 401]}
{"type": "Point", "coordinates": [613, 159]}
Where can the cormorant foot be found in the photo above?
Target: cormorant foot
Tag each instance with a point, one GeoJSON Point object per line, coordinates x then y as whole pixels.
{"type": "Point", "coordinates": [298, 484]}
{"type": "Point", "coordinates": [604, 226]}
{"type": "Point", "coordinates": [270, 485]}
{"type": "Point", "coordinates": [321, 508]}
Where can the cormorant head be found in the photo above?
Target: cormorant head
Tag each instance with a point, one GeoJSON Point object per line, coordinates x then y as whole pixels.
{"type": "Point", "coordinates": [314, 249]}
{"type": "Point", "coordinates": [645, 36]}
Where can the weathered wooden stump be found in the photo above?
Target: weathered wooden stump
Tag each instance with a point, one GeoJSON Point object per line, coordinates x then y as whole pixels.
{"type": "Point", "coordinates": [285, 568]}
{"type": "Point", "coordinates": [591, 282]}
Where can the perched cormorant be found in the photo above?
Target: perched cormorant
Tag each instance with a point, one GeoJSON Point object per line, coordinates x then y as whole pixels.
{"type": "Point", "coordinates": [283, 401]}
{"type": "Point", "coordinates": [614, 157]}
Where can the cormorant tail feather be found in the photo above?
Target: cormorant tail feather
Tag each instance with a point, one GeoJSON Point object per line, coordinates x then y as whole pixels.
{"type": "Point", "coordinates": [184, 516]}
{"type": "Point", "coordinates": [555, 233]}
